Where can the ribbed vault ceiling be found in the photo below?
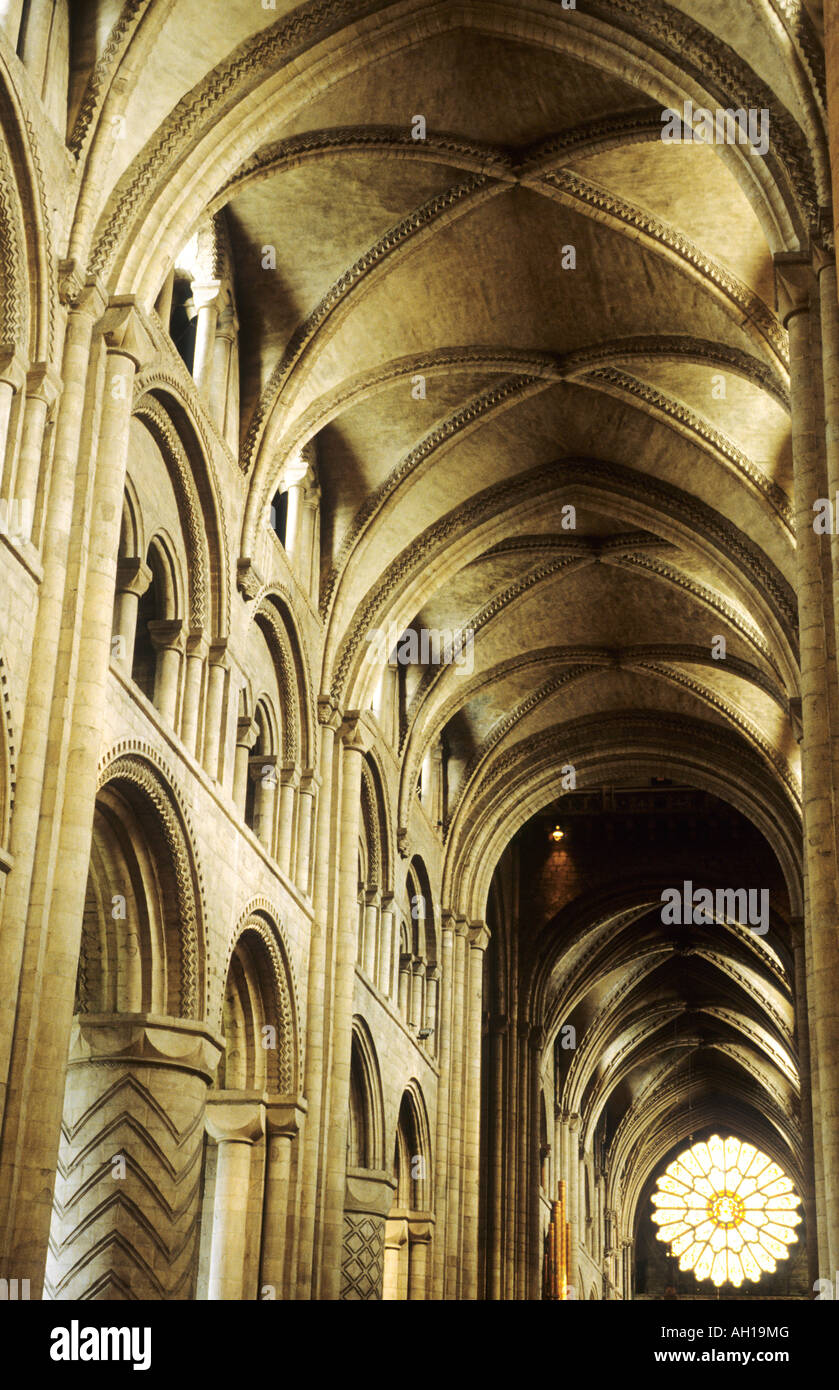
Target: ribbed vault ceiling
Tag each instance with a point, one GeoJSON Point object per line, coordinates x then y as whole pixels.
{"type": "Point", "coordinates": [646, 387]}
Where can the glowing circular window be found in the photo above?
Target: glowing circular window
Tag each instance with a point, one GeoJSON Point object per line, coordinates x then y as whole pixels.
{"type": "Point", "coordinates": [727, 1211]}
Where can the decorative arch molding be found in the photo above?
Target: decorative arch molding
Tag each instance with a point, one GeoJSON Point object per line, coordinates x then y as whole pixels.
{"type": "Point", "coordinates": [470, 529]}
{"type": "Point", "coordinates": [8, 750]}
{"type": "Point", "coordinates": [420, 225]}
{"type": "Point", "coordinates": [138, 764]}
{"type": "Point", "coordinates": [413, 1095]}
{"type": "Point", "coordinates": [528, 777]}
{"type": "Point", "coordinates": [792, 186]}
{"type": "Point", "coordinates": [603, 926]}
{"type": "Point", "coordinates": [572, 190]}
{"type": "Point", "coordinates": [506, 362]}
{"type": "Point", "coordinates": [161, 401]}
{"type": "Point", "coordinates": [273, 610]}
{"type": "Point", "coordinates": [417, 870]}
{"type": "Point", "coordinates": [261, 918]}
{"type": "Point", "coordinates": [419, 736]}
{"type": "Point", "coordinates": [155, 418]}
{"type": "Point", "coordinates": [100, 81]}
{"type": "Point", "coordinates": [373, 776]}
{"type": "Point", "coordinates": [439, 147]}
{"type": "Point", "coordinates": [481, 758]}
{"type": "Point", "coordinates": [370, 1077]}
{"type": "Point", "coordinates": [27, 303]}
{"type": "Point", "coordinates": [372, 858]}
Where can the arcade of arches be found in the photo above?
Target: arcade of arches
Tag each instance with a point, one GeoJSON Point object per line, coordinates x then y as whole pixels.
{"type": "Point", "coordinates": [416, 559]}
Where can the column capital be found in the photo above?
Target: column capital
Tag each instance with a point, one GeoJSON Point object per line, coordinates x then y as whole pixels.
{"type": "Point", "coordinates": [247, 731]}
{"type": "Point", "coordinates": [218, 654]}
{"type": "Point", "coordinates": [794, 282]}
{"type": "Point", "coordinates": [43, 383]}
{"type": "Point", "coordinates": [309, 781]}
{"type": "Point", "coordinates": [420, 1232]}
{"type": "Point", "coordinates": [284, 1115]}
{"type": "Point", "coordinates": [259, 762]}
{"type": "Point", "coordinates": [205, 292]}
{"type": "Point", "coordinates": [78, 290]}
{"type": "Point", "coordinates": [146, 1038]}
{"type": "Point", "coordinates": [168, 634]}
{"type": "Point", "coordinates": [328, 713]}
{"type": "Point", "coordinates": [228, 323]}
{"type": "Point", "coordinates": [354, 733]}
{"type": "Point", "coordinates": [133, 576]}
{"type": "Point", "coordinates": [479, 936]}
{"type": "Point", "coordinates": [195, 643]}
{"type": "Point", "coordinates": [248, 579]}
{"type": "Point", "coordinates": [124, 332]}
{"type": "Point", "coordinates": [235, 1117]}
{"type": "Point", "coordinates": [12, 366]}
{"type": "Point", "coordinates": [289, 774]}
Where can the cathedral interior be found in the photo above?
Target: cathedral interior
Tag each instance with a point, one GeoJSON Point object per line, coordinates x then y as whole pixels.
{"type": "Point", "coordinates": [419, 600]}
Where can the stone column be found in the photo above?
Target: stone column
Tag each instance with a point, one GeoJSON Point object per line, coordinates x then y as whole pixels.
{"type": "Point", "coordinates": [386, 935]}
{"type": "Point", "coordinates": [235, 1123]}
{"type": "Point", "coordinates": [441, 1174]}
{"type": "Point", "coordinates": [432, 986]}
{"type": "Point", "coordinates": [205, 297]}
{"type": "Point", "coordinates": [246, 735]}
{"type": "Point", "coordinates": [534, 1164]}
{"type": "Point", "coordinates": [478, 942]}
{"type": "Point", "coordinates": [42, 389]}
{"type": "Point", "coordinates": [309, 782]}
{"type": "Point", "coordinates": [35, 742]}
{"type": "Point", "coordinates": [167, 635]}
{"type": "Point", "coordinates": [454, 1179]}
{"type": "Point", "coordinates": [795, 286]}
{"type": "Point", "coordinates": [227, 328]}
{"type": "Point", "coordinates": [12, 378]}
{"type": "Point", "coordinates": [395, 1258]}
{"type": "Point", "coordinates": [417, 1006]}
{"type": "Point", "coordinates": [353, 748]}
{"type": "Point", "coordinates": [90, 503]}
{"type": "Point", "coordinates": [294, 492]}
{"type": "Point", "coordinates": [495, 1166]}
{"type": "Point", "coordinates": [196, 654]}
{"type": "Point", "coordinates": [405, 961]}
{"type": "Point", "coordinates": [125, 1222]}
{"type": "Point", "coordinates": [525, 1121]}
{"type": "Point", "coordinates": [262, 770]}
{"type": "Point", "coordinates": [214, 712]}
{"type": "Point", "coordinates": [133, 579]}
{"type": "Point", "coordinates": [371, 933]}
{"type": "Point", "coordinates": [308, 1271]}
{"type": "Point", "coordinates": [368, 1197]}
{"type": "Point", "coordinates": [309, 555]}
{"type": "Point", "coordinates": [802, 1039]}
{"type": "Point", "coordinates": [573, 1177]}
{"type": "Point", "coordinates": [283, 1122]}
{"type": "Point", "coordinates": [419, 1235]}
{"type": "Point", "coordinates": [289, 777]}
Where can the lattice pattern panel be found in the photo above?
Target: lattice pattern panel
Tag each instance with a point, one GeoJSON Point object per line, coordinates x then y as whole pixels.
{"type": "Point", "coordinates": [362, 1256]}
